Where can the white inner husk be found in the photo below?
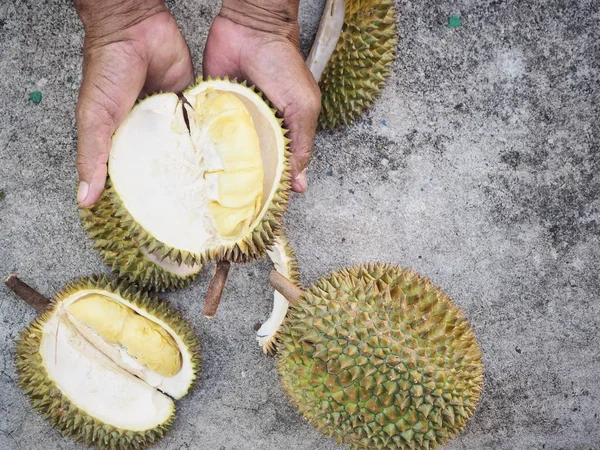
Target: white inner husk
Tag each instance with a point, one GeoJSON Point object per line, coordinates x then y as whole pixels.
{"type": "Point", "coordinates": [98, 377]}
{"type": "Point", "coordinates": [158, 169]}
{"type": "Point", "coordinates": [281, 261]}
{"type": "Point", "coordinates": [328, 34]}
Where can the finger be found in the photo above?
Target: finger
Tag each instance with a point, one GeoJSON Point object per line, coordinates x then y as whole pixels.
{"type": "Point", "coordinates": [112, 80]}
{"type": "Point", "coordinates": [301, 116]}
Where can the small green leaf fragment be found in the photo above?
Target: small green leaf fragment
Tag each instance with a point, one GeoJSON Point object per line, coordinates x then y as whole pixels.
{"type": "Point", "coordinates": [454, 22]}
{"type": "Point", "coordinates": [2, 195]}
{"type": "Point", "coordinates": [35, 97]}
{"type": "Point", "coordinates": [69, 79]}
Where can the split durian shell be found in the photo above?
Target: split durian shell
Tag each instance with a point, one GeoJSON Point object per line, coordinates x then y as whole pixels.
{"type": "Point", "coordinates": [358, 67]}
{"type": "Point", "coordinates": [93, 390]}
{"type": "Point", "coordinates": [284, 259]}
{"type": "Point", "coordinates": [379, 358]}
{"type": "Point", "coordinates": [183, 187]}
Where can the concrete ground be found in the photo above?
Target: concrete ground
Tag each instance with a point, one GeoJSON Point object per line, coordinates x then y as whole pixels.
{"type": "Point", "coordinates": [478, 167]}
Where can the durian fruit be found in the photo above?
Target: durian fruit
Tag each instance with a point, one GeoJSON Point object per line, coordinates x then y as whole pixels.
{"type": "Point", "coordinates": [283, 257]}
{"type": "Point", "coordinates": [104, 363]}
{"type": "Point", "coordinates": [379, 358]}
{"type": "Point", "coordinates": [192, 179]}
{"type": "Point", "coordinates": [351, 57]}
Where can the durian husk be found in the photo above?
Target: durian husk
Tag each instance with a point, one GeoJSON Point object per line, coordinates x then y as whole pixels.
{"type": "Point", "coordinates": [47, 399]}
{"type": "Point", "coordinates": [379, 358]}
{"type": "Point", "coordinates": [360, 63]}
{"type": "Point", "coordinates": [99, 220]}
{"type": "Point", "coordinates": [268, 336]}
{"type": "Point", "coordinates": [119, 250]}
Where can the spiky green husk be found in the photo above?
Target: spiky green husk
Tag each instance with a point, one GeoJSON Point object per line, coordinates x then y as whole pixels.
{"type": "Point", "coordinates": [380, 358]}
{"type": "Point", "coordinates": [47, 399]}
{"type": "Point", "coordinates": [269, 345]}
{"type": "Point", "coordinates": [251, 247]}
{"type": "Point", "coordinates": [360, 63]}
{"type": "Point", "coordinates": [121, 253]}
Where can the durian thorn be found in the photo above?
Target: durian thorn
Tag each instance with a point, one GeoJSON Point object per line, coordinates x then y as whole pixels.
{"type": "Point", "coordinates": [328, 34]}
{"type": "Point", "coordinates": [285, 287]}
{"type": "Point", "coordinates": [215, 289]}
{"type": "Point", "coordinates": [32, 297]}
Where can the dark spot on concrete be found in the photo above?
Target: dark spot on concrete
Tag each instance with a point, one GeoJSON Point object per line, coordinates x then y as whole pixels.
{"type": "Point", "coordinates": [518, 350]}
{"type": "Point", "coordinates": [343, 240]}
{"type": "Point", "coordinates": [512, 158]}
{"type": "Point", "coordinates": [2, 195]}
{"type": "Point", "coordinates": [329, 173]}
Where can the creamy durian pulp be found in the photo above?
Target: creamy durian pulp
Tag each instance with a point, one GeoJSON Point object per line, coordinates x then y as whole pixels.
{"type": "Point", "coordinates": [192, 188]}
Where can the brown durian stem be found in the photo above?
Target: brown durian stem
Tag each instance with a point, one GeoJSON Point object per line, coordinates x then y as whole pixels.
{"type": "Point", "coordinates": [215, 289]}
{"type": "Point", "coordinates": [328, 34]}
{"type": "Point", "coordinates": [32, 297]}
{"type": "Point", "coordinates": [285, 287]}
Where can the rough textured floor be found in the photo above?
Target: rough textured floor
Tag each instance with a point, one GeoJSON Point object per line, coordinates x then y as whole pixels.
{"type": "Point", "coordinates": [478, 167]}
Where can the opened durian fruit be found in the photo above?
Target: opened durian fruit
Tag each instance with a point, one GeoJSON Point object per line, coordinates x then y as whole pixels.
{"type": "Point", "coordinates": [351, 57]}
{"type": "Point", "coordinates": [379, 358]}
{"type": "Point", "coordinates": [104, 362]}
{"type": "Point", "coordinates": [192, 179]}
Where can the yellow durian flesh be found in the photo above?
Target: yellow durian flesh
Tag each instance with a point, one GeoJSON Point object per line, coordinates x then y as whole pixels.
{"type": "Point", "coordinates": [144, 340]}
{"type": "Point", "coordinates": [221, 125]}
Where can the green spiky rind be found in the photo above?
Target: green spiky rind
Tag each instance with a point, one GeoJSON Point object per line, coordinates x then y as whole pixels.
{"type": "Point", "coordinates": [378, 357]}
{"type": "Point", "coordinates": [47, 399]}
{"type": "Point", "coordinates": [270, 347]}
{"type": "Point", "coordinates": [120, 252]}
{"type": "Point", "coordinates": [251, 247]}
{"type": "Point", "coordinates": [360, 63]}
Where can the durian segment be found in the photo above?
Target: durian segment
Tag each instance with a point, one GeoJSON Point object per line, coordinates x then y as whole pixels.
{"type": "Point", "coordinates": [222, 129]}
{"type": "Point", "coordinates": [284, 259]}
{"type": "Point", "coordinates": [121, 252]}
{"type": "Point", "coordinates": [378, 357]}
{"type": "Point", "coordinates": [149, 308]}
{"type": "Point", "coordinates": [357, 69]}
{"type": "Point", "coordinates": [144, 340]}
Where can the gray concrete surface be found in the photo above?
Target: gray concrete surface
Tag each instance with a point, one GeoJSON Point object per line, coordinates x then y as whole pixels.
{"type": "Point", "coordinates": [479, 167]}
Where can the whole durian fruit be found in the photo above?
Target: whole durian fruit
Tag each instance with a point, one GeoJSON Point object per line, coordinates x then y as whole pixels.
{"type": "Point", "coordinates": [192, 179]}
{"type": "Point", "coordinates": [104, 362]}
{"type": "Point", "coordinates": [351, 57]}
{"type": "Point", "coordinates": [379, 358]}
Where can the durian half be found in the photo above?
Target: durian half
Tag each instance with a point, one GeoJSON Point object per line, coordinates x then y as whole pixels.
{"type": "Point", "coordinates": [192, 179]}
{"type": "Point", "coordinates": [379, 358]}
{"type": "Point", "coordinates": [351, 57]}
{"type": "Point", "coordinates": [105, 362]}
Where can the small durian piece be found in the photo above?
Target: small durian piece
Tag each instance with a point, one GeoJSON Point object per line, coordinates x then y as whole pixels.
{"type": "Point", "coordinates": [73, 367]}
{"type": "Point", "coordinates": [284, 259]}
{"type": "Point", "coordinates": [379, 358]}
{"type": "Point", "coordinates": [193, 179]}
{"type": "Point", "coordinates": [351, 57]}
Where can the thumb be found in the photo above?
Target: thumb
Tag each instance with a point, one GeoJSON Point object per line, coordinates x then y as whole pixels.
{"type": "Point", "coordinates": [111, 85]}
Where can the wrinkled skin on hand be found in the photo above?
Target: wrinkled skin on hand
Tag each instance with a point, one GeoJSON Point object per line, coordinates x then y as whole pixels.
{"type": "Point", "coordinates": [119, 66]}
{"type": "Point", "coordinates": [134, 47]}
{"type": "Point", "coordinates": [273, 63]}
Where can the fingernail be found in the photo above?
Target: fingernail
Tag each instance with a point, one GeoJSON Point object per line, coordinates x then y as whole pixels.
{"type": "Point", "coordinates": [82, 191]}
{"type": "Point", "coordinates": [301, 179]}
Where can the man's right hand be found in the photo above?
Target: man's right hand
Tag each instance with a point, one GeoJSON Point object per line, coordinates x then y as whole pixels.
{"type": "Point", "coordinates": [131, 47]}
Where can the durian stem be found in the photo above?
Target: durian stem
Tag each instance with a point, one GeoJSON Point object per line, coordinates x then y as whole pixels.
{"type": "Point", "coordinates": [215, 289]}
{"type": "Point", "coordinates": [285, 287]}
{"type": "Point", "coordinates": [328, 34]}
{"type": "Point", "coordinates": [32, 297]}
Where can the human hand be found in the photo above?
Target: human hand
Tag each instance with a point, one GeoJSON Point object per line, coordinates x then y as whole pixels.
{"type": "Point", "coordinates": [258, 41]}
{"type": "Point", "coordinates": [131, 48]}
